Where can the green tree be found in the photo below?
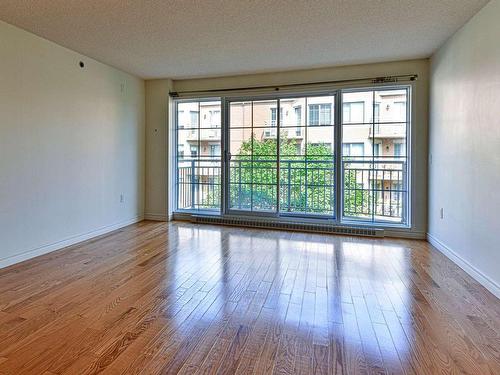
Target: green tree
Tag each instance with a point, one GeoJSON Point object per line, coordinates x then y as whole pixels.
{"type": "Point", "coordinates": [306, 181]}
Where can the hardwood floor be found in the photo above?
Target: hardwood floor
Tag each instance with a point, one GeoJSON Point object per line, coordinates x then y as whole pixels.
{"type": "Point", "coordinates": [168, 298]}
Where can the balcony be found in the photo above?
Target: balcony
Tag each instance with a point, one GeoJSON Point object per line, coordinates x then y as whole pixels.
{"type": "Point", "coordinates": [389, 130]}
{"type": "Point", "coordinates": [373, 191]}
{"type": "Point", "coordinates": [204, 135]}
{"type": "Point", "coordinates": [269, 133]}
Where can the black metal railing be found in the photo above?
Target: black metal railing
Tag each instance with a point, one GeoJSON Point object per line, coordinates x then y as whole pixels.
{"type": "Point", "coordinates": [374, 189]}
{"type": "Point", "coordinates": [306, 186]}
{"type": "Point", "coordinates": [199, 184]}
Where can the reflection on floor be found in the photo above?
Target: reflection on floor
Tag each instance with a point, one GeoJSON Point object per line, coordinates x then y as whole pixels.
{"type": "Point", "coordinates": [182, 298]}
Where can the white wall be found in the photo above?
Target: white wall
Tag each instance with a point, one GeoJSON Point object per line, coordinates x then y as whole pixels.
{"type": "Point", "coordinates": [464, 173]}
{"type": "Point", "coordinates": [71, 141]}
{"type": "Point", "coordinates": [157, 138]}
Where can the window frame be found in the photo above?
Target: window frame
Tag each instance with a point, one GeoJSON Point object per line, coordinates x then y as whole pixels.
{"type": "Point", "coordinates": [337, 123]}
{"type": "Point", "coordinates": [173, 198]}
{"type": "Point", "coordinates": [408, 181]}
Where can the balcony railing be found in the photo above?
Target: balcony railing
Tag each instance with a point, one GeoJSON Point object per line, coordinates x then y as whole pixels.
{"type": "Point", "coordinates": [199, 184]}
{"type": "Point", "coordinates": [374, 190]}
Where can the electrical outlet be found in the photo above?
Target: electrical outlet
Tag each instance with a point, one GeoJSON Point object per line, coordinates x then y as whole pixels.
{"type": "Point", "coordinates": [441, 213]}
{"type": "Point", "coordinates": [122, 199]}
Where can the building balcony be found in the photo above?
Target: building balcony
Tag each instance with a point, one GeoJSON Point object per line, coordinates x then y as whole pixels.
{"type": "Point", "coordinates": [287, 133]}
{"type": "Point", "coordinates": [389, 130]}
{"type": "Point", "coordinates": [204, 135]}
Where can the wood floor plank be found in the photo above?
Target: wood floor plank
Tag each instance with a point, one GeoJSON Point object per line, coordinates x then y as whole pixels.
{"type": "Point", "coordinates": [181, 298]}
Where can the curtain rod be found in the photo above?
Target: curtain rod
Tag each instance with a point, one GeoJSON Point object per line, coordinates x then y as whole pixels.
{"type": "Point", "coordinates": [373, 80]}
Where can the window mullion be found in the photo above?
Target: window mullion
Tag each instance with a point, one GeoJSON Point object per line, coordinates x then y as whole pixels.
{"type": "Point", "coordinates": [338, 173]}
{"type": "Point", "coordinates": [278, 154]}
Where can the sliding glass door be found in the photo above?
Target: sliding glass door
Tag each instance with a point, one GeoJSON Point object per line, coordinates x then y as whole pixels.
{"type": "Point", "coordinates": [341, 156]}
{"type": "Point", "coordinates": [281, 156]}
{"type": "Point", "coordinates": [307, 156]}
{"type": "Point", "coordinates": [252, 156]}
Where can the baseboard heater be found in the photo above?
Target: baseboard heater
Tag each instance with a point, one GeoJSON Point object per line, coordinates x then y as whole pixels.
{"type": "Point", "coordinates": [291, 226]}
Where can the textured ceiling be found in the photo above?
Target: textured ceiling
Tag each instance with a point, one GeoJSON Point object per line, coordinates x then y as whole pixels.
{"type": "Point", "coordinates": [195, 38]}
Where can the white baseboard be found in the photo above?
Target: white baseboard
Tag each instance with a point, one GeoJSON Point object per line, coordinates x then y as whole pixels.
{"type": "Point", "coordinates": [5, 262]}
{"type": "Point", "coordinates": [156, 217]}
{"type": "Point", "coordinates": [476, 274]}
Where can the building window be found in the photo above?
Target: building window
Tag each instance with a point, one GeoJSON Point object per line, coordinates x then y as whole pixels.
{"type": "Point", "coordinates": [320, 114]}
{"type": "Point", "coordinates": [194, 151]}
{"type": "Point", "coordinates": [298, 120]}
{"type": "Point", "coordinates": [274, 118]}
{"type": "Point", "coordinates": [313, 114]}
{"type": "Point", "coordinates": [353, 112]}
{"type": "Point", "coordinates": [376, 110]}
{"type": "Point", "coordinates": [399, 149]}
{"type": "Point", "coordinates": [298, 115]}
{"type": "Point", "coordinates": [194, 118]}
{"type": "Point", "coordinates": [180, 119]}
{"type": "Point", "coordinates": [376, 149]}
{"type": "Point", "coordinates": [214, 150]}
{"type": "Point", "coordinates": [353, 149]}
{"type": "Point", "coordinates": [215, 118]}
{"type": "Point", "coordinates": [399, 111]}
